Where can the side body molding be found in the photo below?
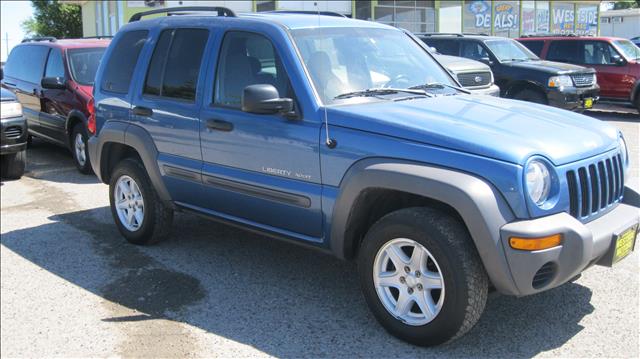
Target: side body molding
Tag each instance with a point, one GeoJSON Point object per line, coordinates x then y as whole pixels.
{"type": "Point", "coordinates": [480, 205]}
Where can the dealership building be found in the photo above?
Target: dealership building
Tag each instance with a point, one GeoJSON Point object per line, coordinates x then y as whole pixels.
{"type": "Point", "coordinates": [502, 18]}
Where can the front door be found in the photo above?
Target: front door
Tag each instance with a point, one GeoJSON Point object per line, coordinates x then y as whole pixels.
{"type": "Point", "coordinates": [53, 115]}
{"type": "Point", "coordinates": [263, 170]}
{"type": "Point", "coordinates": [612, 74]}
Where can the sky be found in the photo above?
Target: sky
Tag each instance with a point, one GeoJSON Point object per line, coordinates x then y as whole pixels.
{"type": "Point", "coordinates": [12, 14]}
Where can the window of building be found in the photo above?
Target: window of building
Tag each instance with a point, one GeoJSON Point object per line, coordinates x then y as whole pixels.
{"type": "Point", "coordinates": [528, 17]}
{"type": "Point", "coordinates": [247, 59]}
{"type": "Point", "coordinates": [175, 64]}
{"type": "Point", "coordinates": [265, 6]}
{"type": "Point", "coordinates": [415, 16]}
{"type": "Point", "coordinates": [476, 17]}
{"type": "Point", "coordinates": [55, 67]}
{"type": "Point", "coordinates": [122, 62]}
{"type": "Point", "coordinates": [449, 16]}
{"type": "Point", "coordinates": [506, 18]}
{"type": "Point", "coordinates": [363, 9]}
{"type": "Point", "coordinates": [562, 18]}
{"type": "Point", "coordinates": [542, 17]}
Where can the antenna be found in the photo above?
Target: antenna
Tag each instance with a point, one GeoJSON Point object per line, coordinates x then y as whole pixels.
{"type": "Point", "coordinates": [330, 142]}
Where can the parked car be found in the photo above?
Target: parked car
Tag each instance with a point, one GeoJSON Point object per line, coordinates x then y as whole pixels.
{"type": "Point", "coordinates": [348, 137]}
{"type": "Point", "coordinates": [615, 60]}
{"type": "Point", "coordinates": [53, 80]}
{"type": "Point", "coordinates": [472, 75]}
{"type": "Point", "coordinates": [520, 74]}
{"type": "Point", "coordinates": [13, 137]}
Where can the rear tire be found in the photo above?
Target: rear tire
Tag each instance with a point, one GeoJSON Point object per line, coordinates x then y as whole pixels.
{"type": "Point", "coordinates": [13, 165]}
{"type": "Point", "coordinates": [141, 217]}
{"type": "Point", "coordinates": [531, 96]}
{"type": "Point", "coordinates": [80, 150]}
{"type": "Point", "coordinates": [451, 309]}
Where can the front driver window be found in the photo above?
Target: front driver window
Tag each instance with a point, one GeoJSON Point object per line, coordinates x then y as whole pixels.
{"type": "Point", "coordinates": [247, 59]}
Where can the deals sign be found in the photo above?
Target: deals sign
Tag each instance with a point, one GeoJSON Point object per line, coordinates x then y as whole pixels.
{"type": "Point", "coordinates": [481, 13]}
{"type": "Point", "coordinates": [506, 16]}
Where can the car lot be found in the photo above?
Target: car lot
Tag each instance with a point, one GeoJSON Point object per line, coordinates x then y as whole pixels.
{"type": "Point", "coordinates": [71, 286]}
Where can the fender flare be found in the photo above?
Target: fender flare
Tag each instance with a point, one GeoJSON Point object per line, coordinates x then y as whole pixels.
{"type": "Point", "coordinates": [73, 114]}
{"type": "Point", "coordinates": [482, 208]}
{"type": "Point", "coordinates": [135, 137]}
{"type": "Point", "coordinates": [526, 83]}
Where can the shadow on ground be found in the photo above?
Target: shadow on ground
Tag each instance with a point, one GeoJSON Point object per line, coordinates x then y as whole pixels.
{"type": "Point", "coordinates": [281, 299]}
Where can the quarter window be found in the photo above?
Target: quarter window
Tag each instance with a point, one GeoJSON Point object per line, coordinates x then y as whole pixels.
{"type": "Point", "coordinates": [175, 64]}
{"type": "Point", "coordinates": [55, 67]}
{"type": "Point", "coordinates": [122, 61]}
{"type": "Point", "coordinates": [247, 59]}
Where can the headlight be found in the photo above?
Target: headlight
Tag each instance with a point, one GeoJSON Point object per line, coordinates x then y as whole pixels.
{"type": "Point", "coordinates": [538, 181]}
{"type": "Point", "coordinates": [624, 152]}
{"type": "Point", "coordinates": [560, 81]}
{"type": "Point", "coordinates": [10, 109]}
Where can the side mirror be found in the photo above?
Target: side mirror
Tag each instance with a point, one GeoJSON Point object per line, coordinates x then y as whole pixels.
{"type": "Point", "coordinates": [486, 60]}
{"type": "Point", "coordinates": [264, 99]}
{"type": "Point", "coordinates": [53, 83]}
{"type": "Point", "coordinates": [618, 60]}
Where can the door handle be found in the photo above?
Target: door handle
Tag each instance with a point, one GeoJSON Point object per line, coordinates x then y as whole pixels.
{"type": "Point", "coordinates": [142, 111]}
{"type": "Point", "coordinates": [220, 125]}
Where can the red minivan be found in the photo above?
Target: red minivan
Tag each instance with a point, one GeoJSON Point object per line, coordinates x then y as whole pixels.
{"type": "Point", "coordinates": [616, 61]}
{"type": "Point", "coordinates": [53, 80]}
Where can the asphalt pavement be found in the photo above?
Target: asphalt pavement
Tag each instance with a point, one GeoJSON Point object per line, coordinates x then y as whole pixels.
{"type": "Point", "coordinates": [72, 287]}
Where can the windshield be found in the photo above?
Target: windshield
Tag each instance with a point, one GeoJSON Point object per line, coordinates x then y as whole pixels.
{"type": "Point", "coordinates": [628, 49]}
{"type": "Point", "coordinates": [345, 60]}
{"type": "Point", "coordinates": [510, 50]}
{"type": "Point", "coordinates": [84, 64]}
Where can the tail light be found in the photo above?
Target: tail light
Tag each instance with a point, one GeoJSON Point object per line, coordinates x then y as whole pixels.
{"type": "Point", "coordinates": [91, 123]}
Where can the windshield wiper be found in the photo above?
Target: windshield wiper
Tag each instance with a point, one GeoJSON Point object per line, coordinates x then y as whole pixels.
{"type": "Point", "coordinates": [438, 85]}
{"type": "Point", "coordinates": [372, 92]}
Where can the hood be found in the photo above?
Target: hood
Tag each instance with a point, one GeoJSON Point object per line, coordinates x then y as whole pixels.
{"type": "Point", "coordinates": [459, 64]}
{"type": "Point", "coordinates": [498, 128]}
{"type": "Point", "coordinates": [551, 67]}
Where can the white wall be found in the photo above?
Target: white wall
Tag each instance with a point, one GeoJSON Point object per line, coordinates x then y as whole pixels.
{"type": "Point", "coordinates": [237, 6]}
{"type": "Point", "coordinates": [343, 7]}
{"type": "Point", "coordinates": [628, 28]}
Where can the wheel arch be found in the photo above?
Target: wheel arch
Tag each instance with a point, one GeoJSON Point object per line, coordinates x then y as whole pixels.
{"type": "Point", "coordinates": [517, 86]}
{"type": "Point", "coordinates": [74, 117]}
{"type": "Point", "coordinates": [478, 205]}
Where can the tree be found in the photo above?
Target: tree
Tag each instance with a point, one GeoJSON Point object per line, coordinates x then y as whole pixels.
{"type": "Point", "coordinates": [52, 18]}
{"type": "Point", "coordinates": [626, 4]}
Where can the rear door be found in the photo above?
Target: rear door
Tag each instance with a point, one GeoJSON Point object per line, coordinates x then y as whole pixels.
{"type": "Point", "coordinates": [167, 106]}
{"type": "Point", "coordinates": [23, 74]}
{"type": "Point", "coordinates": [53, 115]}
{"type": "Point", "coordinates": [263, 170]}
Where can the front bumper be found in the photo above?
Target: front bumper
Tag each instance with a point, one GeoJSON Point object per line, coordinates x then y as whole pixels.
{"type": "Point", "coordinates": [572, 98]}
{"type": "Point", "coordinates": [13, 135]}
{"type": "Point", "coordinates": [583, 245]}
{"type": "Point", "coordinates": [493, 90]}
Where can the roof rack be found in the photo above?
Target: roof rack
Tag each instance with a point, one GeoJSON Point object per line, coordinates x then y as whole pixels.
{"type": "Point", "coordinates": [557, 35]}
{"type": "Point", "coordinates": [40, 38]}
{"type": "Point", "coordinates": [222, 11]}
{"type": "Point", "coordinates": [308, 12]}
{"type": "Point", "coordinates": [440, 34]}
{"type": "Point", "coordinates": [98, 37]}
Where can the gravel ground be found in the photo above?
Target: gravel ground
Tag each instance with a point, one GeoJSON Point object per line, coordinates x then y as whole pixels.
{"type": "Point", "coordinates": [71, 287]}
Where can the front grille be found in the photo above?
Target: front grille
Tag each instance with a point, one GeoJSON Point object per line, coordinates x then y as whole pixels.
{"type": "Point", "coordinates": [583, 80]}
{"type": "Point", "coordinates": [544, 275]}
{"type": "Point", "coordinates": [474, 79]}
{"type": "Point", "coordinates": [13, 132]}
{"type": "Point", "coordinates": [594, 187]}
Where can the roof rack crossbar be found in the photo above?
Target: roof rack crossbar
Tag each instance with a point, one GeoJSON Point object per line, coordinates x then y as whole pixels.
{"type": "Point", "coordinates": [222, 11]}
{"type": "Point", "coordinates": [308, 12]}
{"type": "Point", "coordinates": [40, 38]}
{"type": "Point", "coordinates": [98, 37]}
{"type": "Point", "coordinates": [440, 34]}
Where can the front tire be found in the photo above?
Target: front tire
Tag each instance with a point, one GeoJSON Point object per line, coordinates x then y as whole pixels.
{"type": "Point", "coordinates": [13, 165]}
{"type": "Point", "coordinates": [422, 277]}
{"type": "Point", "coordinates": [80, 150]}
{"type": "Point", "coordinates": [141, 217]}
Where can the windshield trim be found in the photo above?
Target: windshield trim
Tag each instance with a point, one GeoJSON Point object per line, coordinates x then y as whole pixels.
{"type": "Point", "coordinates": [71, 68]}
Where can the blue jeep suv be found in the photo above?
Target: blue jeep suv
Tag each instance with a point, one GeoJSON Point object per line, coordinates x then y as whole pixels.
{"type": "Point", "coordinates": [349, 137]}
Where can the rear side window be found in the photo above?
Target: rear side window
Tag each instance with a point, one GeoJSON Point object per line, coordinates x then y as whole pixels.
{"type": "Point", "coordinates": [122, 62]}
{"type": "Point", "coordinates": [444, 47]}
{"type": "Point", "coordinates": [26, 63]}
{"type": "Point", "coordinates": [175, 64]}
{"type": "Point", "coordinates": [564, 51]}
{"type": "Point", "coordinates": [534, 46]}
{"type": "Point", "coordinates": [55, 67]}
